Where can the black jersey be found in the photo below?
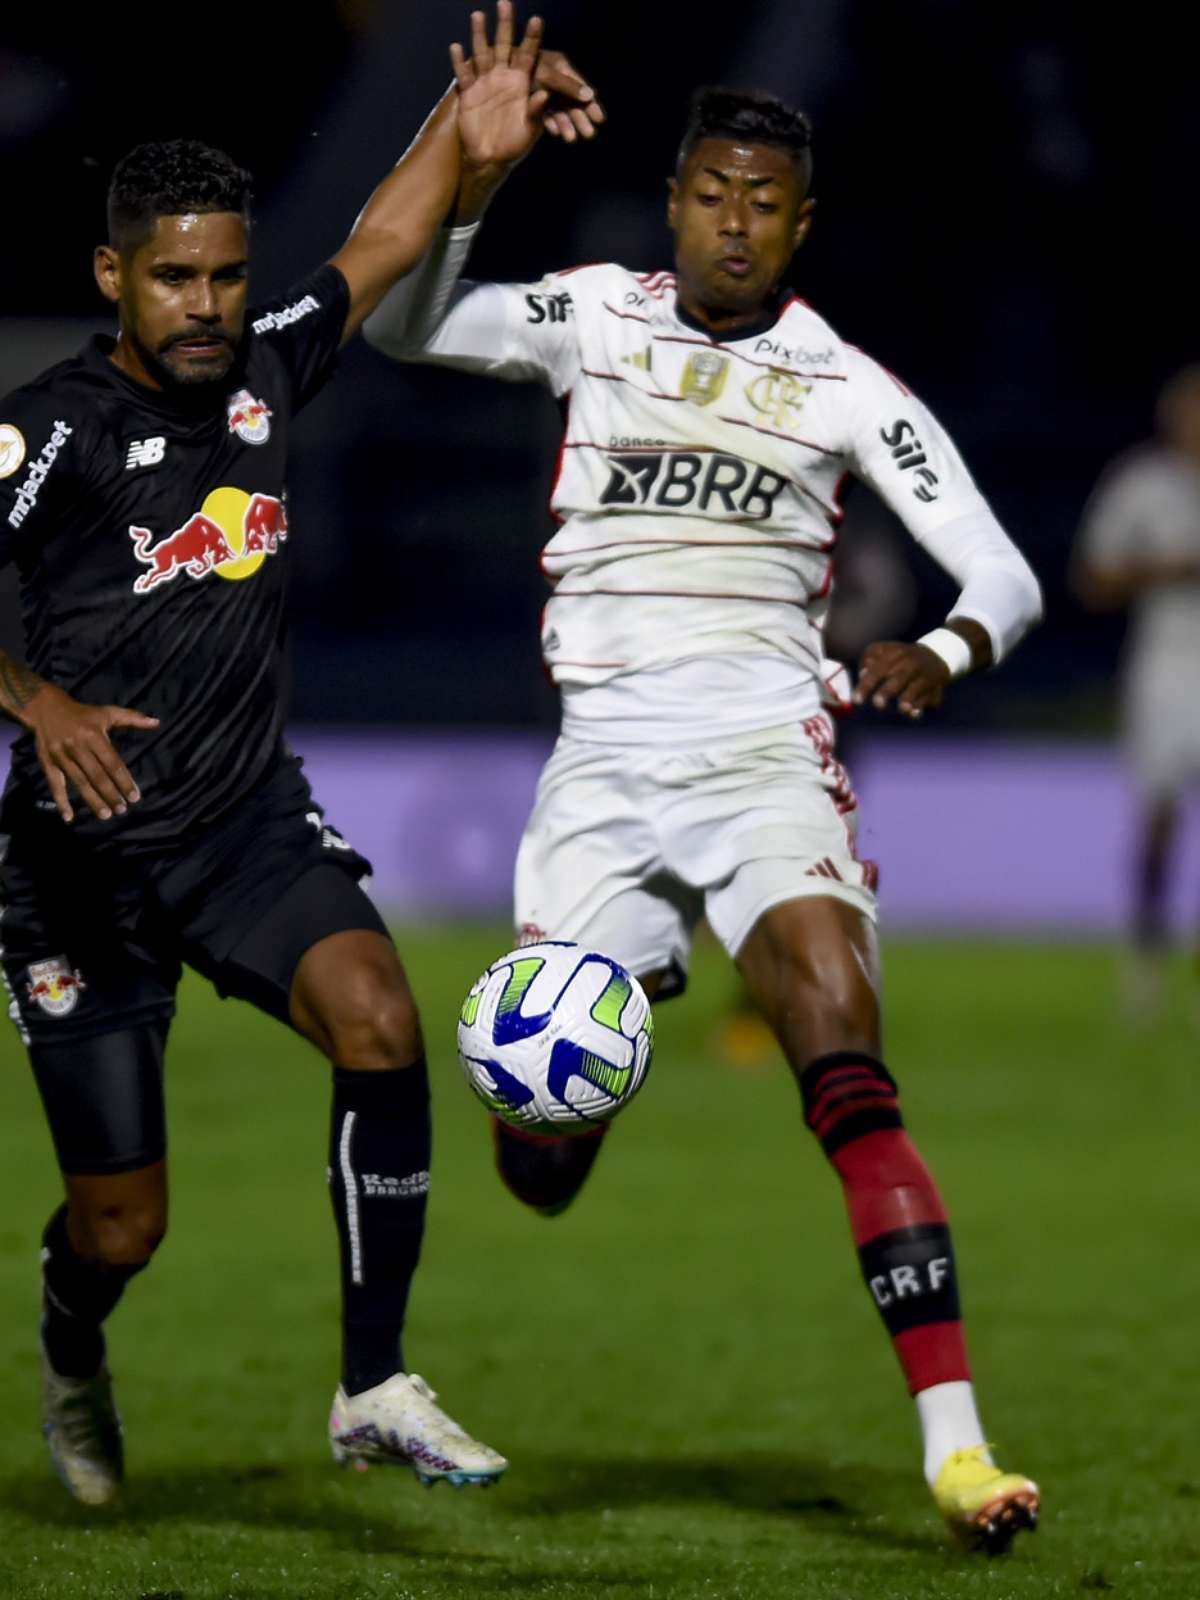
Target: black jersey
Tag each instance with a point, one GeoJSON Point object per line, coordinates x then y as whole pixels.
{"type": "Point", "coordinates": [151, 541]}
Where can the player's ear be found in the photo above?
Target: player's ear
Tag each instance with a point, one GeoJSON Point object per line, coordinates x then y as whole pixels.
{"type": "Point", "coordinates": [106, 264]}
{"type": "Point", "coordinates": [804, 221]}
{"type": "Point", "coordinates": [672, 201]}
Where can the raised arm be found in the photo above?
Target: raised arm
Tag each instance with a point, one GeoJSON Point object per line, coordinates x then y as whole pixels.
{"type": "Point", "coordinates": [514, 89]}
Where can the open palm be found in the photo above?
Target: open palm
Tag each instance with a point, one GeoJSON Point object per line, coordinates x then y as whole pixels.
{"type": "Point", "coordinates": [500, 113]}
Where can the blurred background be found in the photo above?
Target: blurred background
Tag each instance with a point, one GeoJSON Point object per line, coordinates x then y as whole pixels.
{"type": "Point", "coordinates": [1003, 220]}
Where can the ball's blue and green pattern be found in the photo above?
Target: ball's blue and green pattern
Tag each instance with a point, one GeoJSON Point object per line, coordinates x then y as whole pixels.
{"type": "Point", "coordinates": [555, 1038]}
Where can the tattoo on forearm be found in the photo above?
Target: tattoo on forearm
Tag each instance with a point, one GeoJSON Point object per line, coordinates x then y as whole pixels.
{"type": "Point", "coordinates": [18, 685]}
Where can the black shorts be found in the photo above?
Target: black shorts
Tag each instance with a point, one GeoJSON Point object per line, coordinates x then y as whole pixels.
{"type": "Point", "coordinates": [94, 942]}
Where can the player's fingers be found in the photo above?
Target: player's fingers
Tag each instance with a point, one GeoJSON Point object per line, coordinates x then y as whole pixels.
{"type": "Point", "coordinates": [889, 686]}
{"type": "Point", "coordinates": [596, 112]}
{"type": "Point", "coordinates": [527, 51]}
{"type": "Point", "coordinates": [123, 717]}
{"type": "Point", "coordinates": [569, 136]}
{"type": "Point", "coordinates": [583, 127]}
{"type": "Point", "coordinates": [550, 123]}
{"type": "Point", "coordinates": [464, 70]}
{"type": "Point", "coordinates": [504, 31]}
{"type": "Point", "coordinates": [871, 669]}
{"type": "Point", "coordinates": [58, 788]}
{"type": "Point", "coordinates": [108, 767]}
{"type": "Point", "coordinates": [98, 803]}
{"type": "Point", "coordinates": [537, 103]}
{"type": "Point", "coordinates": [481, 50]}
{"type": "Point", "coordinates": [555, 72]}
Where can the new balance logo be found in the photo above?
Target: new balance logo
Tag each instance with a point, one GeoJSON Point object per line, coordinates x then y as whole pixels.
{"type": "Point", "coordinates": [410, 1188]}
{"type": "Point", "coordinates": [145, 453]}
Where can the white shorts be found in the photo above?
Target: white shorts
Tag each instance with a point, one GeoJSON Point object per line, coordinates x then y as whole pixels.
{"type": "Point", "coordinates": [626, 848]}
{"type": "Point", "coordinates": [1162, 727]}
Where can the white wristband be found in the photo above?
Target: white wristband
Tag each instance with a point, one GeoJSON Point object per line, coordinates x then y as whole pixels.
{"type": "Point", "coordinates": [951, 648]}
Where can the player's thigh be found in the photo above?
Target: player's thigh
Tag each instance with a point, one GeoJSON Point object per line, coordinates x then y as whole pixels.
{"type": "Point", "coordinates": [92, 995]}
{"type": "Point", "coordinates": [588, 868]}
{"type": "Point", "coordinates": [811, 965]}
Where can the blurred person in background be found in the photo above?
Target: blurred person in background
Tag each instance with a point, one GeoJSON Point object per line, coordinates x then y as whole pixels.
{"type": "Point", "coordinates": [153, 815]}
{"type": "Point", "coordinates": [1138, 549]}
{"type": "Point", "coordinates": [712, 418]}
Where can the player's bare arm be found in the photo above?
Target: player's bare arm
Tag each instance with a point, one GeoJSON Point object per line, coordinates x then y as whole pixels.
{"type": "Point", "coordinates": [509, 94]}
{"type": "Point", "coordinates": [73, 741]}
{"type": "Point", "coordinates": [916, 676]}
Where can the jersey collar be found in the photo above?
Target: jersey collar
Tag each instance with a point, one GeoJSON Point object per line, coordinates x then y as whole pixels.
{"type": "Point", "coordinates": [772, 310]}
{"type": "Point", "coordinates": [178, 403]}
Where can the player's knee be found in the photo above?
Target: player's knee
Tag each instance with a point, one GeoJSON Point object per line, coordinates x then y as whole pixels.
{"type": "Point", "coordinates": [376, 1028]}
{"type": "Point", "coordinates": [846, 1095]}
{"type": "Point", "coordinates": [825, 1002]}
{"type": "Point", "coordinates": [123, 1236]}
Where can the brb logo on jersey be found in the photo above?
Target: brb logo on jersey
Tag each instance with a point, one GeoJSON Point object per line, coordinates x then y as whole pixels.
{"type": "Point", "coordinates": [683, 480]}
{"type": "Point", "coordinates": [232, 534]}
{"type": "Point", "coordinates": [249, 418]}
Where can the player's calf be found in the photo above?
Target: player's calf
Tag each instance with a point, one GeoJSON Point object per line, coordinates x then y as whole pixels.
{"type": "Point", "coordinates": [545, 1171]}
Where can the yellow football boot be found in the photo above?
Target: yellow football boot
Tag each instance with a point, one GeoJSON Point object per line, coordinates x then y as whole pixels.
{"type": "Point", "coordinates": [984, 1508]}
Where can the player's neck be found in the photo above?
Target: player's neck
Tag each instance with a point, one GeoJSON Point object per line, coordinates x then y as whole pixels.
{"type": "Point", "coordinates": [721, 323]}
{"type": "Point", "coordinates": [126, 355]}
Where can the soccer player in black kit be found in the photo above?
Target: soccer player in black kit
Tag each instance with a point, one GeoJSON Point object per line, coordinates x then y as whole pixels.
{"type": "Point", "coordinates": [153, 815]}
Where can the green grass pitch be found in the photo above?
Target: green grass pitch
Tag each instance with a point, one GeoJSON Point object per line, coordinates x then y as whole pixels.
{"type": "Point", "coordinates": [685, 1370]}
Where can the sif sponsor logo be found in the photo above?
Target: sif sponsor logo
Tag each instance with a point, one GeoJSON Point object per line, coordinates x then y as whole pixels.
{"type": "Point", "coordinates": [909, 454]}
{"type": "Point", "coordinates": [678, 480]}
{"type": "Point", "coordinates": [549, 307]}
{"type": "Point", "coordinates": [39, 470]}
{"type": "Point", "coordinates": [232, 534]}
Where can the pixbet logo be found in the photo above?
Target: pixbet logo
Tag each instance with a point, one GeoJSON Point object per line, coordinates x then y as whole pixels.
{"type": "Point", "coordinates": [677, 479]}
{"type": "Point", "coordinates": [797, 354]}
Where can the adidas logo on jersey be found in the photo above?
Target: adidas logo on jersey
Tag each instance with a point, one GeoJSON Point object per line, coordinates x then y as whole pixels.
{"type": "Point", "coordinates": [145, 452]}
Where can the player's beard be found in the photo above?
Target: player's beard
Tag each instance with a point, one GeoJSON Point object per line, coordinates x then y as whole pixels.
{"type": "Point", "coordinates": [196, 377]}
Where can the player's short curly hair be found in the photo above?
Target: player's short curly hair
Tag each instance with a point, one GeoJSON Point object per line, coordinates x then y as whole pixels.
{"type": "Point", "coordinates": [167, 179]}
{"type": "Point", "coordinates": [718, 113]}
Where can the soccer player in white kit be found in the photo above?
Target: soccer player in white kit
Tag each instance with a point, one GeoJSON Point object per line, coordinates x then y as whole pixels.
{"type": "Point", "coordinates": [1139, 547]}
{"type": "Point", "coordinates": [712, 416]}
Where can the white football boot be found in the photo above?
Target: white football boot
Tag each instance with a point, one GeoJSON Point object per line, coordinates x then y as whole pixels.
{"type": "Point", "coordinates": [83, 1434]}
{"type": "Point", "coordinates": [398, 1423]}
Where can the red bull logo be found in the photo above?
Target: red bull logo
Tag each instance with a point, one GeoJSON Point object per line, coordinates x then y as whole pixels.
{"type": "Point", "coordinates": [232, 534]}
{"type": "Point", "coordinates": [249, 418]}
{"type": "Point", "coordinates": [54, 986]}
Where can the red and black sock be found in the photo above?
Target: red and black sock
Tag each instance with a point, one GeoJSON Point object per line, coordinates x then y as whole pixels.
{"type": "Point", "coordinates": [896, 1214]}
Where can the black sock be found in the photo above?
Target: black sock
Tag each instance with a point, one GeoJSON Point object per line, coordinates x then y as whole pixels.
{"type": "Point", "coordinates": [76, 1298]}
{"type": "Point", "coordinates": [379, 1181]}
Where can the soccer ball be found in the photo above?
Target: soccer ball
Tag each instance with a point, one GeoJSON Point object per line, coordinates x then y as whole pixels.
{"type": "Point", "coordinates": [555, 1038]}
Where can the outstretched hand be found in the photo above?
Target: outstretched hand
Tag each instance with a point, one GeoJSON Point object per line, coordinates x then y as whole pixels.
{"type": "Point", "coordinates": [912, 675]}
{"type": "Point", "coordinates": [508, 94]}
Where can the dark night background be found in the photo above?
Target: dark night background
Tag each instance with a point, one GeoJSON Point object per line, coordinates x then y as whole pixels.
{"type": "Point", "coordinates": [1006, 218]}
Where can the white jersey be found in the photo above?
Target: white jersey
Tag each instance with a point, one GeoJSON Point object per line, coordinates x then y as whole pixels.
{"type": "Point", "coordinates": [698, 485]}
{"type": "Point", "coordinates": [1146, 509]}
